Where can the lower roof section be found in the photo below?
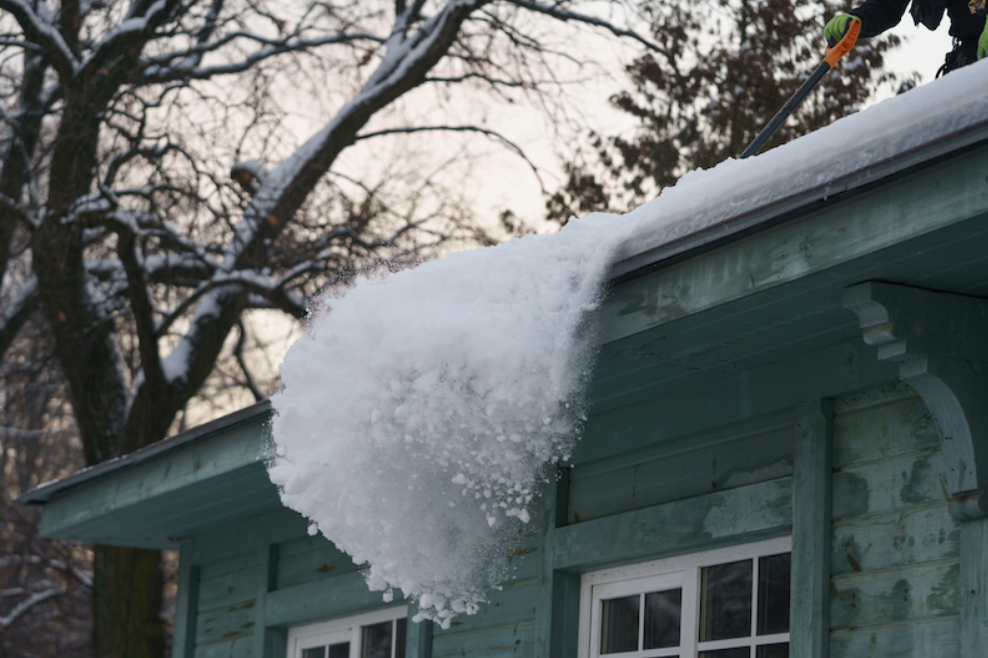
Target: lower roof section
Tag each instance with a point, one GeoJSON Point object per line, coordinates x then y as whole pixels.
{"type": "Point", "coordinates": [185, 486]}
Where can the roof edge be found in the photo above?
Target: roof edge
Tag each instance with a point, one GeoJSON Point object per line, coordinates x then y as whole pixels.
{"type": "Point", "coordinates": [630, 264]}
{"type": "Point", "coordinates": [43, 493]}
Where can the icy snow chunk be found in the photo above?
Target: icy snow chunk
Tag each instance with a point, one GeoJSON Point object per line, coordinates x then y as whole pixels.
{"type": "Point", "coordinates": [420, 414]}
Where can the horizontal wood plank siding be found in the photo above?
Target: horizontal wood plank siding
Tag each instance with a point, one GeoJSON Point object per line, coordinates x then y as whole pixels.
{"type": "Point", "coordinates": [514, 640]}
{"type": "Point", "coordinates": [895, 548]}
{"type": "Point", "coordinates": [310, 559]}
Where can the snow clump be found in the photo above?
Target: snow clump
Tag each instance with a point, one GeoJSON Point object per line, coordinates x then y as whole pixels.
{"type": "Point", "coordinates": [420, 414]}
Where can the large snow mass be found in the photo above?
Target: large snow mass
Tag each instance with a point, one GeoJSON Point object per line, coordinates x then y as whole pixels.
{"type": "Point", "coordinates": [420, 413]}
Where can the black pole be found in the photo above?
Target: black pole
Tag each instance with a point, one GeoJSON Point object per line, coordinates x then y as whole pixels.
{"type": "Point", "coordinates": [786, 110]}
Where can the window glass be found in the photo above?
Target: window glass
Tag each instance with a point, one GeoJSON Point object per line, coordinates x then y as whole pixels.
{"type": "Point", "coordinates": [376, 640]}
{"type": "Point", "coordinates": [619, 624]}
{"type": "Point", "coordinates": [773, 594]}
{"type": "Point", "coordinates": [773, 651]}
{"type": "Point", "coordinates": [314, 652]}
{"type": "Point", "coordinates": [736, 652]}
{"type": "Point", "coordinates": [725, 601]}
{"type": "Point", "coordinates": [341, 650]}
{"type": "Point", "coordinates": [662, 612]}
{"type": "Point", "coordinates": [400, 630]}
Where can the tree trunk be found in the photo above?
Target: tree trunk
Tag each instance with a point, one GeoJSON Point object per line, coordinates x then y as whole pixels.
{"type": "Point", "coordinates": [127, 599]}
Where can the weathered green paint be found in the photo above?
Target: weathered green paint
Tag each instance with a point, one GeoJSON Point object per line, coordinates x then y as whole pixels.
{"type": "Point", "coordinates": [908, 593]}
{"type": "Point", "coordinates": [756, 511]}
{"type": "Point", "coordinates": [811, 491]}
{"type": "Point", "coordinates": [894, 550]}
{"type": "Point", "coordinates": [765, 455]}
{"type": "Point", "coordinates": [974, 588]}
{"type": "Point", "coordinates": [899, 426]}
{"type": "Point", "coordinates": [318, 600]}
{"type": "Point", "coordinates": [924, 639]}
{"type": "Point", "coordinates": [891, 540]}
{"type": "Point", "coordinates": [896, 484]}
{"type": "Point", "coordinates": [267, 581]}
{"type": "Point", "coordinates": [513, 640]}
{"type": "Point", "coordinates": [557, 606]}
{"type": "Point", "coordinates": [927, 201]}
{"type": "Point", "coordinates": [311, 558]}
{"type": "Point", "coordinates": [418, 639]}
{"type": "Point", "coordinates": [186, 605]}
{"type": "Point", "coordinates": [937, 338]}
{"type": "Point", "coordinates": [225, 541]}
{"type": "Point", "coordinates": [169, 483]}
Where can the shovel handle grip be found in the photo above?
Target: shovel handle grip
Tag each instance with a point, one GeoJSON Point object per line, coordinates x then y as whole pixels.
{"type": "Point", "coordinates": [833, 54]}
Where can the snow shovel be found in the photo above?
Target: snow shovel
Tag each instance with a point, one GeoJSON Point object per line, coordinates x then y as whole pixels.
{"type": "Point", "coordinates": [831, 56]}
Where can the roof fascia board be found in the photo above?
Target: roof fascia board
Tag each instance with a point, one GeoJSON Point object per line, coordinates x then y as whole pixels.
{"type": "Point", "coordinates": [932, 199]}
{"type": "Point", "coordinates": [139, 482]}
{"type": "Point", "coordinates": [43, 493]}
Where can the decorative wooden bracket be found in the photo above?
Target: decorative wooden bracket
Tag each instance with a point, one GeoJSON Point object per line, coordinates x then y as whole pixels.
{"type": "Point", "coordinates": [940, 341]}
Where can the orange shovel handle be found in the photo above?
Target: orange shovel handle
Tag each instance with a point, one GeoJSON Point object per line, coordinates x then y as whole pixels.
{"type": "Point", "coordinates": [843, 47]}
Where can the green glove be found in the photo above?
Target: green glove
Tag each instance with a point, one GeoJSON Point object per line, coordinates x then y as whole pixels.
{"type": "Point", "coordinates": [983, 42]}
{"type": "Point", "coordinates": [837, 28]}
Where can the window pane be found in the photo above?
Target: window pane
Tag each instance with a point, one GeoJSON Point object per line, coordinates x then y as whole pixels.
{"type": "Point", "coordinates": [314, 652]}
{"type": "Point", "coordinates": [341, 650]}
{"type": "Point", "coordinates": [773, 651]}
{"type": "Point", "coordinates": [773, 594]}
{"type": "Point", "coordinates": [619, 624]}
{"type": "Point", "coordinates": [737, 652]}
{"type": "Point", "coordinates": [376, 640]}
{"type": "Point", "coordinates": [400, 627]}
{"type": "Point", "coordinates": [662, 611]}
{"type": "Point", "coordinates": [725, 601]}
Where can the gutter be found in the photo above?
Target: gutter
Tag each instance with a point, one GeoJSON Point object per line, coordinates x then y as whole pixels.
{"type": "Point", "coordinates": [630, 266]}
{"type": "Point", "coordinates": [43, 493]}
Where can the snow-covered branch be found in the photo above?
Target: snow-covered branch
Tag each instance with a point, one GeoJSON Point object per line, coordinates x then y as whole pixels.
{"type": "Point", "coordinates": [24, 606]}
{"type": "Point", "coordinates": [164, 68]}
{"type": "Point", "coordinates": [42, 31]}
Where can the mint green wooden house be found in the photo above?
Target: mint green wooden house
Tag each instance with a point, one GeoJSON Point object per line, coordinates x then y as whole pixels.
{"type": "Point", "coordinates": [787, 456]}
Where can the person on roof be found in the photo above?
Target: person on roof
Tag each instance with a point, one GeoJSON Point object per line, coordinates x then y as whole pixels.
{"type": "Point", "coordinates": [967, 24]}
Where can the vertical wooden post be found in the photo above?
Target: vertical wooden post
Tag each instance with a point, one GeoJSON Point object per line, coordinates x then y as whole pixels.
{"type": "Point", "coordinates": [187, 605]}
{"type": "Point", "coordinates": [557, 609]}
{"type": "Point", "coordinates": [268, 642]}
{"type": "Point", "coordinates": [418, 637]}
{"type": "Point", "coordinates": [974, 588]}
{"type": "Point", "coordinates": [809, 624]}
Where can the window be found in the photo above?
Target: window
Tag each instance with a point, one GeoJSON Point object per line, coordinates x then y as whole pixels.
{"type": "Point", "coordinates": [378, 634]}
{"type": "Point", "coordinates": [725, 603]}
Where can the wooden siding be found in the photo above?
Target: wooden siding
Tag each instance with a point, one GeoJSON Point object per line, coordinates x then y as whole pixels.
{"type": "Point", "coordinates": [895, 548]}
{"type": "Point", "coordinates": [710, 462]}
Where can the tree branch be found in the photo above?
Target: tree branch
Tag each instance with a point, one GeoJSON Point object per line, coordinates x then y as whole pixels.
{"type": "Point", "coordinates": [557, 12]}
{"type": "Point", "coordinates": [474, 129]}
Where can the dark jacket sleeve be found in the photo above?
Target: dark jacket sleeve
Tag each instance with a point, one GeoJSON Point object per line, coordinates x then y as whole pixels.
{"type": "Point", "coordinates": [879, 15]}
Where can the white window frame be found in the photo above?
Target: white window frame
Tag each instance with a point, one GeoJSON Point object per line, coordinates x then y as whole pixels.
{"type": "Point", "coordinates": [670, 573]}
{"type": "Point", "coordinates": [346, 629]}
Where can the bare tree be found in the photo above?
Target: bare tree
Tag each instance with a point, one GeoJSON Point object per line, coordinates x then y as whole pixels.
{"type": "Point", "coordinates": [150, 238]}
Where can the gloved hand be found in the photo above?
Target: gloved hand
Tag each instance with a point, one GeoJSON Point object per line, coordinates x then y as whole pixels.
{"type": "Point", "coordinates": [983, 42]}
{"type": "Point", "coordinates": [837, 28]}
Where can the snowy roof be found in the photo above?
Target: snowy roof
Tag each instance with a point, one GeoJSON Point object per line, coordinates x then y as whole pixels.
{"type": "Point", "coordinates": [904, 132]}
{"type": "Point", "coordinates": [911, 130]}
